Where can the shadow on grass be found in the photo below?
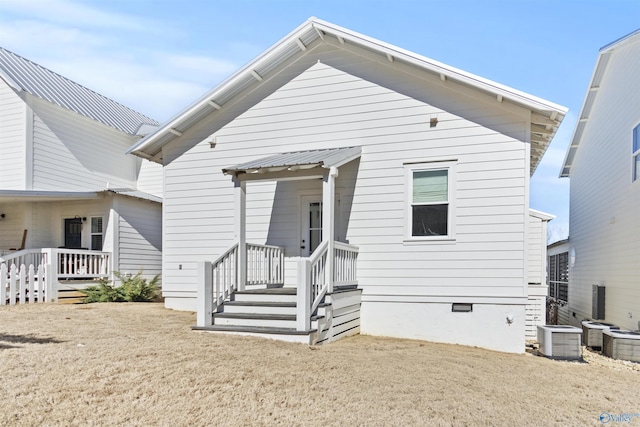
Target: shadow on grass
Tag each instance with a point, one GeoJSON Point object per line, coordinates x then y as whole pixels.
{"type": "Point", "coordinates": [7, 340]}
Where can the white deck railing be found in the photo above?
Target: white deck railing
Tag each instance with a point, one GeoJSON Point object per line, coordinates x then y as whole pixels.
{"type": "Point", "coordinates": [265, 265]}
{"type": "Point", "coordinates": [218, 280]}
{"type": "Point", "coordinates": [69, 263]}
{"type": "Point", "coordinates": [345, 264]}
{"type": "Point", "coordinates": [224, 272]}
{"type": "Point", "coordinates": [314, 281]}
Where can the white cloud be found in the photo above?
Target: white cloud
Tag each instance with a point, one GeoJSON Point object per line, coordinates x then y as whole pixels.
{"type": "Point", "coordinates": [156, 82]}
{"type": "Point", "coordinates": [75, 14]}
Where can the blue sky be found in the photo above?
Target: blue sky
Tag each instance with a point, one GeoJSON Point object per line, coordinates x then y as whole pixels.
{"type": "Point", "coordinates": [158, 56]}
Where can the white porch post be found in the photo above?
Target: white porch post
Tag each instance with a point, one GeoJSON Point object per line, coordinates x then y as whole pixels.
{"type": "Point", "coordinates": [241, 230]}
{"type": "Point", "coordinates": [328, 222]}
{"type": "Point", "coordinates": [205, 294]}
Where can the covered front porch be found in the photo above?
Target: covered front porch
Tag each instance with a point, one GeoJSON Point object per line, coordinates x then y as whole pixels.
{"type": "Point", "coordinates": [306, 293]}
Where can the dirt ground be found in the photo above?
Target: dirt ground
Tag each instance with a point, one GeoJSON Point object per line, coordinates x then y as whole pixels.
{"type": "Point", "coordinates": [141, 365]}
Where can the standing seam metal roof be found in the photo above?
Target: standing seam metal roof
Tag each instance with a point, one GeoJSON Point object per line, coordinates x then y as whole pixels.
{"type": "Point", "coordinates": [312, 158]}
{"type": "Point", "coordinates": [25, 75]}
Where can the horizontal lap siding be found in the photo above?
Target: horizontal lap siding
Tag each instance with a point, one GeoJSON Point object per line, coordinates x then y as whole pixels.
{"type": "Point", "coordinates": [13, 122]}
{"type": "Point", "coordinates": [139, 237]}
{"type": "Point", "coordinates": [75, 153]}
{"type": "Point", "coordinates": [604, 202]}
{"type": "Point", "coordinates": [325, 107]}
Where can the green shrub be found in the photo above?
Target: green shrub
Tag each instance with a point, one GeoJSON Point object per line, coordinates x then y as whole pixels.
{"type": "Point", "coordinates": [137, 289]}
{"type": "Point", "coordinates": [133, 289]}
{"type": "Point", "coordinates": [103, 292]}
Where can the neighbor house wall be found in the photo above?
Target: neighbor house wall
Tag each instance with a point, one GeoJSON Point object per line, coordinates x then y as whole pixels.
{"type": "Point", "coordinates": [605, 203]}
{"type": "Point", "coordinates": [350, 100]}
{"type": "Point", "coordinates": [139, 236]}
{"type": "Point", "coordinates": [149, 179]}
{"type": "Point", "coordinates": [13, 139]}
{"type": "Point", "coordinates": [72, 152]}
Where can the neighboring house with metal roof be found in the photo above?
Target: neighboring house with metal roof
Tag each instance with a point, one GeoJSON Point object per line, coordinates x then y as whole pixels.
{"type": "Point", "coordinates": [603, 162]}
{"type": "Point", "coordinates": [66, 181]}
{"type": "Point", "coordinates": [363, 187]}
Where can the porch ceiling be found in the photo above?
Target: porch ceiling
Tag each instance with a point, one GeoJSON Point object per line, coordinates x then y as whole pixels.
{"type": "Point", "coordinates": [298, 160]}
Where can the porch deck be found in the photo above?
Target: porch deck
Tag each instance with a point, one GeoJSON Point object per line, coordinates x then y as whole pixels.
{"type": "Point", "coordinates": [323, 307]}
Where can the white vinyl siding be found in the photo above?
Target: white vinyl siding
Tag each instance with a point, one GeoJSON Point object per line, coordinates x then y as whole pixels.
{"type": "Point", "coordinates": [139, 237]}
{"type": "Point", "coordinates": [13, 139]}
{"type": "Point", "coordinates": [605, 203]}
{"type": "Point", "coordinates": [349, 101]}
{"type": "Point", "coordinates": [72, 152]}
{"type": "Point", "coordinates": [150, 178]}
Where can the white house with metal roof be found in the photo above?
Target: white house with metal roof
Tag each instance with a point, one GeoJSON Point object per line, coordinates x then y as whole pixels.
{"type": "Point", "coordinates": [603, 162]}
{"type": "Point", "coordinates": [67, 187]}
{"type": "Point", "coordinates": [338, 184]}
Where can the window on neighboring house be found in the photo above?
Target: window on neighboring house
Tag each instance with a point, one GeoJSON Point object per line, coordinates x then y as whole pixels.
{"type": "Point", "coordinates": [635, 154]}
{"type": "Point", "coordinates": [559, 276]}
{"type": "Point", "coordinates": [430, 207]}
{"type": "Point", "coordinates": [96, 233]}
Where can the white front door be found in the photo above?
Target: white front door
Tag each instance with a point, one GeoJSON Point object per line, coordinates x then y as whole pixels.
{"type": "Point", "coordinates": [311, 231]}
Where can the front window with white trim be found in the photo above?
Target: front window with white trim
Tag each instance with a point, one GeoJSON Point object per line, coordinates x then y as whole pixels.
{"type": "Point", "coordinates": [96, 233]}
{"type": "Point", "coordinates": [635, 154]}
{"type": "Point", "coordinates": [430, 200]}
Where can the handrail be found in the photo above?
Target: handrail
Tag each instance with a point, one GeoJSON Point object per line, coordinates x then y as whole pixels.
{"type": "Point", "coordinates": [25, 256]}
{"type": "Point", "coordinates": [345, 264]}
{"type": "Point", "coordinates": [314, 281]}
{"type": "Point", "coordinates": [265, 265]}
{"type": "Point", "coordinates": [70, 263]}
{"type": "Point", "coordinates": [224, 274]}
{"type": "Point", "coordinates": [319, 283]}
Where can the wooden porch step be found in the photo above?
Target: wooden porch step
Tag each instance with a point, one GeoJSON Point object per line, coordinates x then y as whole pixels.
{"type": "Point", "coordinates": [265, 295]}
{"type": "Point", "coordinates": [282, 334]}
{"type": "Point", "coordinates": [71, 297]}
{"type": "Point", "coordinates": [252, 329]}
{"type": "Point", "coordinates": [257, 320]}
{"type": "Point", "coordinates": [258, 307]}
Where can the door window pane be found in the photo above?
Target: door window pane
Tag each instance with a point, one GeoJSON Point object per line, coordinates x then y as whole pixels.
{"type": "Point", "coordinates": [315, 225]}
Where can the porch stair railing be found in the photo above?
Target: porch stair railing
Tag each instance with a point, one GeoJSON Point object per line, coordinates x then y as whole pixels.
{"type": "Point", "coordinates": [218, 280]}
{"type": "Point", "coordinates": [315, 280]}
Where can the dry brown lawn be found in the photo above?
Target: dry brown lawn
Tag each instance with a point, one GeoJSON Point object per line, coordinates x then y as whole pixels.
{"type": "Point", "coordinates": [141, 365]}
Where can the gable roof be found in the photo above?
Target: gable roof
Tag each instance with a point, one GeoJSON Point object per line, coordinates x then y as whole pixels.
{"type": "Point", "coordinates": [592, 92]}
{"type": "Point", "coordinates": [545, 118]}
{"type": "Point", "coordinates": [27, 76]}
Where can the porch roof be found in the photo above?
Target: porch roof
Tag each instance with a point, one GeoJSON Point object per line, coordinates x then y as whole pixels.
{"type": "Point", "coordinates": [297, 160]}
{"type": "Point", "coordinates": [66, 196]}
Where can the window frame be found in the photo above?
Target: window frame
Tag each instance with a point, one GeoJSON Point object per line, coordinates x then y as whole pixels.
{"type": "Point", "coordinates": [635, 154]}
{"type": "Point", "coordinates": [450, 165]}
{"type": "Point", "coordinates": [92, 233]}
{"type": "Point", "coordinates": [558, 276]}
